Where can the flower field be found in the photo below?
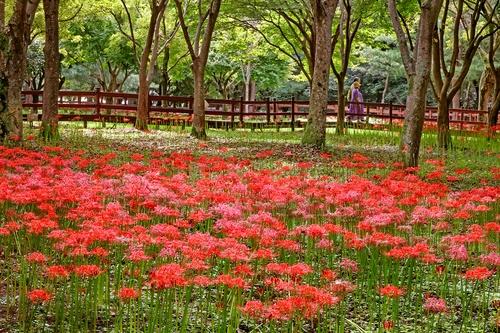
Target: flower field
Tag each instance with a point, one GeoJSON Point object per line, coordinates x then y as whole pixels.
{"type": "Point", "coordinates": [192, 242]}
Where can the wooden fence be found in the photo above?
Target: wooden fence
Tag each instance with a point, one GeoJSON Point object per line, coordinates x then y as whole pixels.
{"type": "Point", "coordinates": [121, 107]}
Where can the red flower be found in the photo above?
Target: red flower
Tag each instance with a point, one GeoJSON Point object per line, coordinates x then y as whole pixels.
{"type": "Point", "coordinates": [435, 305]}
{"type": "Point", "coordinates": [36, 257]}
{"type": "Point", "coordinates": [388, 325]}
{"type": "Point", "coordinates": [88, 270]}
{"type": "Point", "coordinates": [167, 276]}
{"type": "Point", "coordinates": [56, 271]}
{"type": "Point", "coordinates": [39, 296]}
{"type": "Point", "coordinates": [478, 274]}
{"type": "Point", "coordinates": [328, 274]}
{"type": "Point", "coordinates": [126, 294]}
{"type": "Point", "coordinates": [391, 291]}
{"type": "Point", "coordinates": [253, 308]}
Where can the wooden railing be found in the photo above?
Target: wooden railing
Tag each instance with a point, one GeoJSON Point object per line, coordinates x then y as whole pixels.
{"type": "Point", "coordinates": [121, 107]}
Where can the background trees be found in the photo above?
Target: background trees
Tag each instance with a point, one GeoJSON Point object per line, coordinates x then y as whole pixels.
{"type": "Point", "coordinates": [259, 49]}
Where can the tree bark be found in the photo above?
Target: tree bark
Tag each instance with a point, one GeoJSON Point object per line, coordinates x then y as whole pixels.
{"type": "Point", "coordinates": [417, 67]}
{"type": "Point", "coordinates": [386, 88]}
{"type": "Point", "coordinates": [13, 51]}
{"type": "Point", "coordinates": [198, 130]}
{"type": "Point", "coordinates": [444, 136]}
{"type": "Point", "coordinates": [147, 58]}
{"type": "Point", "coordinates": [341, 106]}
{"type": "Point", "coordinates": [486, 84]}
{"type": "Point", "coordinates": [49, 129]}
{"type": "Point", "coordinates": [315, 132]}
{"type": "Point", "coordinates": [199, 56]}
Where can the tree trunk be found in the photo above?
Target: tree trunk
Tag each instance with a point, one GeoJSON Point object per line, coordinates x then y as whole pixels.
{"type": "Point", "coordinates": [341, 107]}
{"type": "Point", "coordinates": [315, 132]}
{"type": "Point", "coordinates": [495, 107]}
{"type": "Point", "coordinates": [455, 103]}
{"type": "Point", "coordinates": [141, 122]}
{"type": "Point", "coordinates": [386, 88]}
{"type": "Point", "coordinates": [417, 91]}
{"type": "Point", "coordinates": [49, 128]}
{"type": "Point", "coordinates": [247, 78]}
{"type": "Point", "coordinates": [146, 67]}
{"type": "Point", "coordinates": [13, 68]}
{"type": "Point", "coordinates": [486, 84]}
{"type": "Point", "coordinates": [198, 129]}
{"type": "Point", "coordinates": [417, 67]}
{"type": "Point", "coordinates": [444, 136]}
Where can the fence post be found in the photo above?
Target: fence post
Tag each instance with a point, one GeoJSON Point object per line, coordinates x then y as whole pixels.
{"type": "Point", "coordinates": [232, 115]}
{"type": "Point", "coordinates": [390, 114]}
{"type": "Point", "coordinates": [268, 111]}
{"type": "Point", "coordinates": [98, 101]}
{"type": "Point", "coordinates": [367, 115]}
{"type": "Point", "coordinates": [241, 112]}
{"type": "Point", "coordinates": [293, 113]}
{"type": "Point", "coordinates": [98, 105]}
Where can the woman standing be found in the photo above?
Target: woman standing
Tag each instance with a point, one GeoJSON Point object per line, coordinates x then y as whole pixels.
{"type": "Point", "coordinates": [356, 107]}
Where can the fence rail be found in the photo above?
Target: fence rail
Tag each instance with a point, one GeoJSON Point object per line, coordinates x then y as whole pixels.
{"type": "Point", "coordinates": [121, 107]}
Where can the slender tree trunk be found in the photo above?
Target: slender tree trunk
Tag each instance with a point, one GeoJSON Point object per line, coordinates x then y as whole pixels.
{"type": "Point", "coordinates": [141, 122]}
{"type": "Point", "coordinates": [386, 88]}
{"type": "Point", "coordinates": [495, 107]}
{"type": "Point", "coordinates": [49, 128]}
{"type": "Point", "coordinates": [2, 14]}
{"type": "Point", "coordinates": [146, 65]}
{"type": "Point", "coordinates": [486, 84]}
{"type": "Point", "coordinates": [455, 103]}
{"type": "Point", "coordinates": [444, 136]}
{"type": "Point", "coordinates": [417, 91]}
{"type": "Point", "coordinates": [315, 132]}
{"type": "Point", "coordinates": [198, 129]}
{"type": "Point", "coordinates": [341, 105]}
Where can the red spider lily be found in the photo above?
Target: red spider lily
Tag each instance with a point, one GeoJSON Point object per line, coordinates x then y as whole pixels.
{"type": "Point", "coordinates": [435, 305]}
{"type": "Point", "coordinates": [167, 276]}
{"type": "Point", "coordinates": [405, 252]}
{"type": "Point", "coordinates": [87, 270]}
{"type": "Point", "coordinates": [127, 294]}
{"type": "Point", "coordinates": [231, 282]}
{"type": "Point", "coordinates": [39, 296]}
{"type": "Point", "coordinates": [57, 272]}
{"type": "Point", "coordinates": [490, 259]}
{"type": "Point", "coordinates": [478, 273]}
{"type": "Point", "coordinates": [388, 325]}
{"type": "Point", "coordinates": [349, 265]}
{"type": "Point", "coordinates": [328, 274]}
{"type": "Point", "coordinates": [253, 308]}
{"type": "Point", "coordinates": [391, 291]}
{"type": "Point", "coordinates": [36, 257]}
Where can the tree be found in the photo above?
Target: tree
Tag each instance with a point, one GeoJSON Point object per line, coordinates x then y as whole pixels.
{"type": "Point", "coordinates": [315, 132]}
{"type": "Point", "coordinates": [417, 62]}
{"type": "Point", "coordinates": [490, 96]}
{"type": "Point", "coordinates": [199, 47]}
{"type": "Point", "coordinates": [147, 59]}
{"type": "Point", "coordinates": [344, 36]}
{"type": "Point", "coordinates": [49, 127]}
{"type": "Point", "coordinates": [286, 25]}
{"type": "Point", "coordinates": [14, 41]}
{"type": "Point", "coordinates": [97, 45]}
{"type": "Point", "coordinates": [448, 78]}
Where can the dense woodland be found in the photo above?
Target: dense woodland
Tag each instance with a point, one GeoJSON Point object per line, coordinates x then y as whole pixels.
{"type": "Point", "coordinates": [439, 52]}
